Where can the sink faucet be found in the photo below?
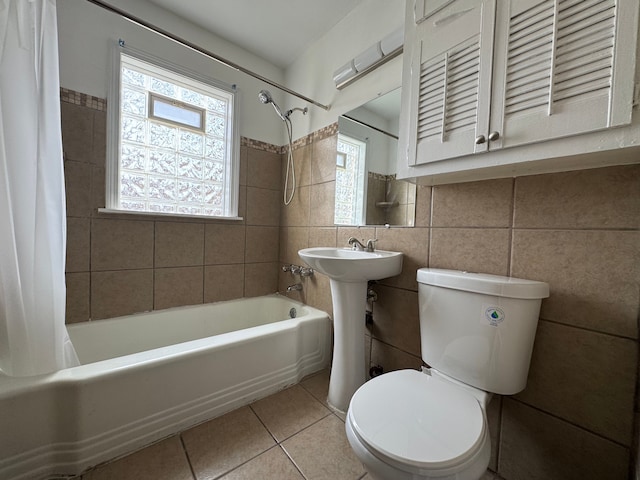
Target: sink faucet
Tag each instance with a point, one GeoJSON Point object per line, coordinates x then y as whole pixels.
{"type": "Point", "coordinates": [357, 244]}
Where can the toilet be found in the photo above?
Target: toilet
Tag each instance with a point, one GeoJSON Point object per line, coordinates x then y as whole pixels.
{"type": "Point", "coordinates": [477, 333]}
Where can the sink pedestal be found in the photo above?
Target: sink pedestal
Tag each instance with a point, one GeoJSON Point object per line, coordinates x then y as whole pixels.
{"type": "Point", "coordinates": [348, 367]}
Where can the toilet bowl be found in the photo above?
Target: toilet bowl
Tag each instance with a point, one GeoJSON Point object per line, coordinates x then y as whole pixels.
{"type": "Point", "coordinates": [419, 425]}
{"type": "Point", "coordinates": [477, 333]}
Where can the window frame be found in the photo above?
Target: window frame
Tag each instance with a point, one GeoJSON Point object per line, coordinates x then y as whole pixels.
{"type": "Point", "coordinates": [231, 188]}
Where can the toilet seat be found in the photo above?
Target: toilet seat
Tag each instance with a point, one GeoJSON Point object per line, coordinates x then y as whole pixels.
{"type": "Point", "coordinates": [418, 421]}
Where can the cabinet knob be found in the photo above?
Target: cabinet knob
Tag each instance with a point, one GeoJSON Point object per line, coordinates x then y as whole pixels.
{"type": "Point", "coordinates": [480, 139]}
{"type": "Point", "coordinates": [494, 136]}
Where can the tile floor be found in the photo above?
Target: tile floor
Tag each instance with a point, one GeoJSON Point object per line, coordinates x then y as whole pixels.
{"type": "Point", "coordinates": [290, 435]}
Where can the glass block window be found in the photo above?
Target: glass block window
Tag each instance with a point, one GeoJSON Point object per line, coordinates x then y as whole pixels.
{"type": "Point", "coordinates": [350, 184]}
{"type": "Point", "coordinates": [176, 146]}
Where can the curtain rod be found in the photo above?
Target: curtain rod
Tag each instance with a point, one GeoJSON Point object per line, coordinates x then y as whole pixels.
{"type": "Point", "coordinates": [207, 53]}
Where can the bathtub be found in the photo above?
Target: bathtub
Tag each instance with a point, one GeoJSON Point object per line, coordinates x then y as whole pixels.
{"type": "Point", "coordinates": [146, 376]}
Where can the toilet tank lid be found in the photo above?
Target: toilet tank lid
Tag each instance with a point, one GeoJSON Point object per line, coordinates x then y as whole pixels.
{"type": "Point", "coordinates": [484, 283]}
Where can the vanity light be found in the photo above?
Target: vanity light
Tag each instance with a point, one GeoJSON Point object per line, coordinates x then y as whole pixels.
{"type": "Point", "coordinates": [370, 59]}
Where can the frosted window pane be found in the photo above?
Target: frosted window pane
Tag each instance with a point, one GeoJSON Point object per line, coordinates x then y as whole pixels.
{"type": "Point", "coordinates": [164, 167]}
{"type": "Point", "coordinates": [133, 129]}
{"type": "Point", "coordinates": [190, 167]}
{"type": "Point", "coordinates": [213, 195]}
{"type": "Point", "coordinates": [165, 88]}
{"type": "Point", "coordinates": [214, 171]}
{"type": "Point", "coordinates": [190, 192]}
{"type": "Point", "coordinates": [162, 162]}
{"type": "Point", "coordinates": [191, 142]}
{"type": "Point", "coordinates": [217, 105]}
{"type": "Point", "coordinates": [133, 157]}
{"type": "Point", "coordinates": [214, 148]}
{"type": "Point", "coordinates": [162, 208]}
{"type": "Point", "coordinates": [162, 136]}
{"type": "Point", "coordinates": [215, 125]}
{"type": "Point", "coordinates": [134, 102]}
{"type": "Point", "coordinates": [194, 98]}
{"type": "Point", "coordinates": [133, 78]}
{"type": "Point", "coordinates": [132, 185]}
{"type": "Point", "coordinates": [162, 188]}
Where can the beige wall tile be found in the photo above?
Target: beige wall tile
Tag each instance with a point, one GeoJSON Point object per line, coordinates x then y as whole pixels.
{"type": "Point", "coordinates": [121, 244]}
{"type": "Point", "coordinates": [475, 204]}
{"type": "Point", "coordinates": [322, 204]}
{"type": "Point", "coordinates": [98, 189]}
{"type": "Point", "coordinates": [242, 203]}
{"type": "Point", "coordinates": [289, 411]}
{"type": "Point", "coordinates": [323, 160]}
{"type": "Point", "coordinates": [322, 236]}
{"type": "Point", "coordinates": [263, 169]}
{"type": "Point", "coordinates": [395, 319]}
{"type": "Point", "coordinates": [263, 206]}
{"type": "Point", "coordinates": [296, 239]}
{"type": "Point", "coordinates": [536, 446]}
{"type": "Point", "coordinates": [174, 287]}
{"type": "Point", "coordinates": [414, 245]}
{"type": "Point", "coordinates": [244, 160]}
{"type": "Point", "coordinates": [78, 188]}
{"type": "Point", "coordinates": [165, 460]}
{"type": "Point", "coordinates": [423, 206]}
{"type": "Point", "coordinates": [361, 233]}
{"type": "Point", "coordinates": [585, 377]}
{"type": "Point", "coordinates": [260, 279]}
{"type": "Point", "coordinates": [597, 198]}
{"type": "Point", "coordinates": [391, 358]}
{"type": "Point", "coordinates": [77, 132]}
{"type": "Point", "coordinates": [121, 292]}
{"type": "Point", "coordinates": [217, 446]}
{"type": "Point", "coordinates": [593, 276]}
{"type": "Point", "coordinates": [223, 282]}
{"type": "Point", "coordinates": [302, 162]}
{"type": "Point", "coordinates": [319, 293]}
{"type": "Point", "coordinates": [262, 244]}
{"type": "Point", "coordinates": [179, 244]}
{"type": "Point", "coordinates": [335, 460]}
{"type": "Point", "coordinates": [78, 236]}
{"type": "Point", "coordinates": [99, 155]}
{"type": "Point", "coordinates": [480, 250]}
{"type": "Point", "coordinates": [297, 213]}
{"type": "Point", "coordinates": [77, 300]}
{"type": "Point", "coordinates": [224, 244]}
{"type": "Point", "coordinates": [494, 413]}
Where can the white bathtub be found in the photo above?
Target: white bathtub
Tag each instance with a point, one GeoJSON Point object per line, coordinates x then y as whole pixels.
{"type": "Point", "coordinates": [150, 375]}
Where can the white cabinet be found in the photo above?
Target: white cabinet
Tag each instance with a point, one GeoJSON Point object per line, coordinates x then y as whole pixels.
{"type": "Point", "coordinates": [484, 75]}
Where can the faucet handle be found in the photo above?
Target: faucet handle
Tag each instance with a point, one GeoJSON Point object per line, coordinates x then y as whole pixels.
{"type": "Point", "coordinates": [371, 244]}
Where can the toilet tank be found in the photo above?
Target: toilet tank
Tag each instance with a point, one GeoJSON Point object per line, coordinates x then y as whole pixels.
{"type": "Point", "coordinates": [479, 328]}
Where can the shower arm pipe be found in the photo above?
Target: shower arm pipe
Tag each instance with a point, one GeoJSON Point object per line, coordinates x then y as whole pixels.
{"type": "Point", "coordinates": [202, 51]}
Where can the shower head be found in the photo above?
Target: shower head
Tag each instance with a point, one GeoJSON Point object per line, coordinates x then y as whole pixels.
{"type": "Point", "coordinates": [265, 97]}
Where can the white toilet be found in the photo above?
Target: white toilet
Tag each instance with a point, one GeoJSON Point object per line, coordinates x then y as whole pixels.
{"type": "Point", "coordinates": [477, 334]}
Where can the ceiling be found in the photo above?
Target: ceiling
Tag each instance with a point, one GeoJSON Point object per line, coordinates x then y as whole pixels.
{"type": "Point", "coordinates": [276, 30]}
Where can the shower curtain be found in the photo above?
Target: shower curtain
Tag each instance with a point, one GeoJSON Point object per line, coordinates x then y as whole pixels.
{"type": "Point", "coordinates": [33, 336]}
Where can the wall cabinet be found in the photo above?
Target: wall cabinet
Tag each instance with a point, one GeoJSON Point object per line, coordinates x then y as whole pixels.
{"type": "Point", "coordinates": [481, 76]}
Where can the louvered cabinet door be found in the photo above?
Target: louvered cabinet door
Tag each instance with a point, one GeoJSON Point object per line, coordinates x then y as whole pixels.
{"type": "Point", "coordinates": [451, 82]}
{"type": "Point", "coordinates": [562, 67]}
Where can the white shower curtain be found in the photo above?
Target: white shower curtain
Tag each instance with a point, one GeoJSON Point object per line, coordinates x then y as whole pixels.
{"type": "Point", "coordinates": [33, 336]}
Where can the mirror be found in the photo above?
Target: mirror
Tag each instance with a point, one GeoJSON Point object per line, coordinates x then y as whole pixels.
{"type": "Point", "coordinates": [367, 192]}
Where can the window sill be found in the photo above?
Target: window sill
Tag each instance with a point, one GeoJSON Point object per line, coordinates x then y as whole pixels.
{"type": "Point", "coordinates": [167, 215]}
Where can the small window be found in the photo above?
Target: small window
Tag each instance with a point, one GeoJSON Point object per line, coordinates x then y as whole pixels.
{"type": "Point", "coordinates": [350, 184]}
{"type": "Point", "coordinates": [173, 148]}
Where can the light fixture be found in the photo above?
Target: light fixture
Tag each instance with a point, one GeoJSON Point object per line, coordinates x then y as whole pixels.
{"type": "Point", "coordinates": [370, 59]}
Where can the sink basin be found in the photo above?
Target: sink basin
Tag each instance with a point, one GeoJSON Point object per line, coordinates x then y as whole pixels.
{"type": "Point", "coordinates": [349, 271]}
{"type": "Point", "coordinates": [347, 265]}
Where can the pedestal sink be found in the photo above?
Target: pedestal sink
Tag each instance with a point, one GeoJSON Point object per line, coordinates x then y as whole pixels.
{"type": "Point", "coordinates": [348, 271]}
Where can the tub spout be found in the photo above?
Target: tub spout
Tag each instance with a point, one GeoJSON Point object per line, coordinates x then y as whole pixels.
{"type": "Point", "coordinates": [294, 288]}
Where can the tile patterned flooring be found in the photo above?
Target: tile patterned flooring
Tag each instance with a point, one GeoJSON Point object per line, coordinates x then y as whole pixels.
{"type": "Point", "coordinates": [290, 435]}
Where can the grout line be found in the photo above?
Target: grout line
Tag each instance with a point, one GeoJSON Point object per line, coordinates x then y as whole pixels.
{"type": "Point", "coordinates": [511, 227]}
{"type": "Point", "coordinates": [587, 329]}
{"type": "Point", "coordinates": [186, 454]}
